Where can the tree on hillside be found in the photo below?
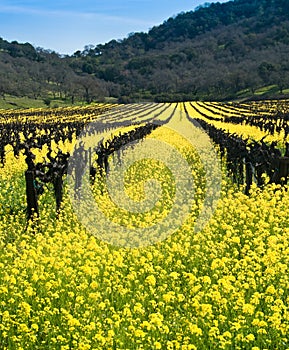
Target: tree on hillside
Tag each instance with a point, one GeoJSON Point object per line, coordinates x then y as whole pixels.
{"type": "Point", "coordinates": [92, 88]}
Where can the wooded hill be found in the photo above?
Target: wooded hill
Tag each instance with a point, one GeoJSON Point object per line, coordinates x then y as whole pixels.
{"type": "Point", "coordinates": [216, 52]}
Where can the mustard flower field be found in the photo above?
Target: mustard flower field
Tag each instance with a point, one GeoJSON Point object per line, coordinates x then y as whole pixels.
{"type": "Point", "coordinates": [223, 286]}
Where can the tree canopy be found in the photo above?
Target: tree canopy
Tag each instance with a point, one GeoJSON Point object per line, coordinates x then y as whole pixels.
{"type": "Point", "coordinates": [214, 52]}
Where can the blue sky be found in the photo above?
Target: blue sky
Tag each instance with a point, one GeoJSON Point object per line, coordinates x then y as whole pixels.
{"type": "Point", "coordinates": [66, 26]}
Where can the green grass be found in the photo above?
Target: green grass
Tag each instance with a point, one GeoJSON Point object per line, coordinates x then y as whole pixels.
{"type": "Point", "coordinates": [286, 91]}
{"type": "Point", "coordinates": [267, 89]}
{"type": "Point", "coordinates": [14, 102]}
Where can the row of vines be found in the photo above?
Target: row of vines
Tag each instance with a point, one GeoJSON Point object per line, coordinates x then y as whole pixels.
{"type": "Point", "coordinates": [67, 285]}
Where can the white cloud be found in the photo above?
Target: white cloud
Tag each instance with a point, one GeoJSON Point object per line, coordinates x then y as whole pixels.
{"type": "Point", "coordinates": [72, 14]}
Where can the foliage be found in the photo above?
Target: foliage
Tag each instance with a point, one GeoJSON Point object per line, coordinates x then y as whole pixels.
{"type": "Point", "coordinates": [213, 52]}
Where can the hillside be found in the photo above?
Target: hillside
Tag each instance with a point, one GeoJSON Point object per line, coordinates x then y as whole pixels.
{"type": "Point", "coordinates": [219, 51]}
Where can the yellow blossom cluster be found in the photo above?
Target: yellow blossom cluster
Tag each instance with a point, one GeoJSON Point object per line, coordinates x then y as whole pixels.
{"type": "Point", "coordinates": [245, 131]}
{"type": "Point", "coordinates": [223, 287]}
